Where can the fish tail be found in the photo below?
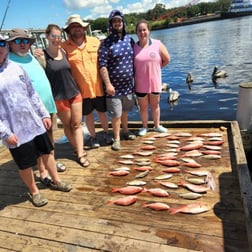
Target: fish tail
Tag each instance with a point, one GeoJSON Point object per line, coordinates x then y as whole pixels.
{"type": "Point", "coordinates": [172, 211]}
{"type": "Point", "coordinates": [110, 202]}
{"type": "Point", "coordinates": [181, 182]}
{"type": "Point", "coordinates": [114, 189]}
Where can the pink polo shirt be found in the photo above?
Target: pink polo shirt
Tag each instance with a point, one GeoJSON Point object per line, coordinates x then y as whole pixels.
{"type": "Point", "coordinates": [147, 67]}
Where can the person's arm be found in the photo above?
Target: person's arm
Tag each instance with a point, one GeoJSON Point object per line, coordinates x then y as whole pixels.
{"type": "Point", "coordinates": [110, 90]}
{"type": "Point", "coordinates": [40, 56]}
{"type": "Point", "coordinates": [165, 56]}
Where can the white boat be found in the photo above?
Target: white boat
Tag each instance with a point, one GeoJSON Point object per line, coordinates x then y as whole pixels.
{"type": "Point", "coordinates": [98, 34]}
{"type": "Point", "coordinates": [238, 8]}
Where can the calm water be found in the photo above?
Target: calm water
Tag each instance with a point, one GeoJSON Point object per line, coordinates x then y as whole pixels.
{"type": "Point", "coordinates": [197, 49]}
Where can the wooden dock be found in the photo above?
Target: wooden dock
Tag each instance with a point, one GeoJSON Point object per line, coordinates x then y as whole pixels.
{"type": "Point", "coordinates": [82, 220]}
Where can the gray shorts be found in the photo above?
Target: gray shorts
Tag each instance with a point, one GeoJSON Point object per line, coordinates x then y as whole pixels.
{"type": "Point", "coordinates": [115, 105]}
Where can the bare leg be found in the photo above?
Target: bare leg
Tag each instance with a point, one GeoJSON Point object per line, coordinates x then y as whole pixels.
{"type": "Point", "coordinates": [125, 121]}
{"type": "Point", "coordinates": [116, 124]}
{"type": "Point", "coordinates": [28, 178]}
{"type": "Point", "coordinates": [143, 103]}
{"type": "Point", "coordinates": [90, 124]}
{"type": "Point", "coordinates": [155, 109]}
{"type": "Point", "coordinates": [104, 120]}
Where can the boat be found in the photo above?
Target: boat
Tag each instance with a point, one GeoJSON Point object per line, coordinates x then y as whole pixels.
{"type": "Point", "coordinates": [98, 34]}
{"type": "Point", "coordinates": [238, 8]}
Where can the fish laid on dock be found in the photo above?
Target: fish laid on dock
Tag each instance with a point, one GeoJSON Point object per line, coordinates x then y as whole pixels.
{"type": "Point", "coordinates": [125, 201]}
{"type": "Point", "coordinates": [128, 190]}
{"type": "Point", "coordinates": [156, 206]}
{"type": "Point", "coordinates": [191, 208]}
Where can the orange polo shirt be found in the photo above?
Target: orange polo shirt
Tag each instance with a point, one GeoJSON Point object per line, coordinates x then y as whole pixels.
{"type": "Point", "coordinates": [84, 66]}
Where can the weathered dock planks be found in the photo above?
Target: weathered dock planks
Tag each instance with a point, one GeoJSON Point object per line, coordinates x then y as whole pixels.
{"type": "Point", "coordinates": [81, 220]}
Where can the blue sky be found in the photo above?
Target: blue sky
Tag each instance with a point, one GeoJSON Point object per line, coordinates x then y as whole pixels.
{"type": "Point", "coordinates": [38, 14]}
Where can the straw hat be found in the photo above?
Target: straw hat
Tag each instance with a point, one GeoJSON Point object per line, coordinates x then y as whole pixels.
{"type": "Point", "coordinates": [76, 18]}
{"type": "Point", "coordinates": [20, 33]}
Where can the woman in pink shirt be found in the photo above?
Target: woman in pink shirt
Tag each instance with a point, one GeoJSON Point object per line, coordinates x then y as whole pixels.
{"type": "Point", "coordinates": [150, 55]}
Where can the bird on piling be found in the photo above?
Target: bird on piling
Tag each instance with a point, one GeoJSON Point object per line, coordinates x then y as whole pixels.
{"type": "Point", "coordinates": [189, 80]}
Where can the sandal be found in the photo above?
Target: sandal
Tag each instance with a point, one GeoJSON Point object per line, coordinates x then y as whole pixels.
{"type": "Point", "coordinates": [46, 181]}
{"type": "Point", "coordinates": [83, 161]}
{"type": "Point", "coordinates": [38, 200]}
{"type": "Point", "coordinates": [60, 167]}
{"type": "Point", "coordinates": [84, 154]}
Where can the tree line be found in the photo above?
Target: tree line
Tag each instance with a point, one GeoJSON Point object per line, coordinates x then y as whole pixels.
{"type": "Point", "coordinates": [160, 17]}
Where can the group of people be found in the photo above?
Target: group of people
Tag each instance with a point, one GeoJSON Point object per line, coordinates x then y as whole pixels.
{"type": "Point", "coordinates": [74, 79]}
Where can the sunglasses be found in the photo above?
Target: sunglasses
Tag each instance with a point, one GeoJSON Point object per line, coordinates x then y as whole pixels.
{"type": "Point", "coordinates": [19, 41]}
{"type": "Point", "coordinates": [55, 36]}
{"type": "Point", "coordinates": [3, 43]}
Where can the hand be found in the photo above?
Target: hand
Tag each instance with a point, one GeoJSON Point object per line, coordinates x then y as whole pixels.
{"type": "Point", "coordinates": [38, 53]}
{"type": "Point", "coordinates": [12, 140]}
{"type": "Point", "coordinates": [47, 123]}
{"type": "Point", "coordinates": [110, 90]}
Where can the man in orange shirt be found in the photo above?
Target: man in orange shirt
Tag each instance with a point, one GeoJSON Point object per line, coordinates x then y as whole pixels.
{"type": "Point", "coordinates": [82, 53]}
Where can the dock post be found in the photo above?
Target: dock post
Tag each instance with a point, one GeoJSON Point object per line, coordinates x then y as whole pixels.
{"type": "Point", "coordinates": [244, 114]}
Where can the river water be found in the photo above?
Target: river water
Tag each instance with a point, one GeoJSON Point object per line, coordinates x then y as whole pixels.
{"type": "Point", "coordinates": [197, 49]}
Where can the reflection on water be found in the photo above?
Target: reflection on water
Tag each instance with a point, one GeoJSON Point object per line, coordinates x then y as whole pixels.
{"type": "Point", "coordinates": [197, 49]}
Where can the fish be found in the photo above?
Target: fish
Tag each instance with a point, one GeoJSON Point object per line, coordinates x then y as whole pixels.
{"type": "Point", "coordinates": [217, 143]}
{"type": "Point", "coordinates": [195, 208]}
{"type": "Point", "coordinates": [143, 168]}
{"type": "Point", "coordinates": [173, 137]}
{"type": "Point", "coordinates": [163, 176]}
{"type": "Point", "coordinates": [211, 152]}
{"type": "Point", "coordinates": [171, 150]}
{"type": "Point", "coordinates": [119, 173]}
{"type": "Point", "coordinates": [168, 184]}
{"type": "Point", "coordinates": [168, 162]}
{"type": "Point", "coordinates": [127, 156]}
{"type": "Point", "coordinates": [212, 147]}
{"type": "Point", "coordinates": [149, 139]}
{"type": "Point", "coordinates": [148, 147]}
{"type": "Point", "coordinates": [194, 188]}
{"type": "Point", "coordinates": [190, 195]}
{"type": "Point", "coordinates": [212, 156]}
{"type": "Point", "coordinates": [128, 190]}
{"type": "Point", "coordinates": [148, 142]}
{"type": "Point", "coordinates": [193, 153]}
{"type": "Point", "coordinates": [160, 135]}
{"type": "Point", "coordinates": [196, 181]}
{"type": "Point", "coordinates": [192, 165]}
{"type": "Point", "coordinates": [183, 134]}
{"type": "Point", "coordinates": [143, 153]}
{"type": "Point", "coordinates": [156, 206]}
{"type": "Point", "coordinates": [172, 170]}
{"type": "Point", "coordinates": [193, 139]}
{"type": "Point", "coordinates": [192, 146]}
{"type": "Point", "coordinates": [122, 168]}
{"type": "Point", "coordinates": [210, 181]}
{"type": "Point", "coordinates": [187, 160]}
{"type": "Point", "coordinates": [169, 154]}
{"type": "Point", "coordinates": [159, 192]}
{"type": "Point", "coordinates": [143, 163]}
{"type": "Point", "coordinates": [172, 145]}
{"type": "Point", "coordinates": [125, 201]}
{"type": "Point", "coordinates": [214, 139]}
{"type": "Point", "coordinates": [142, 174]}
{"type": "Point", "coordinates": [159, 159]}
{"type": "Point", "coordinates": [174, 141]}
{"type": "Point", "coordinates": [210, 134]}
{"type": "Point", "coordinates": [126, 162]}
{"type": "Point", "coordinates": [136, 183]}
{"type": "Point", "coordinates": [197, 172]}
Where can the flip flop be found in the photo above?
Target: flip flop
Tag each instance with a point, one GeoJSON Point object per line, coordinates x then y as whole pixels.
{"type": "Point", "coordinates": [60, 167]}
{"type": "Point", "coordinates": [83, 161]}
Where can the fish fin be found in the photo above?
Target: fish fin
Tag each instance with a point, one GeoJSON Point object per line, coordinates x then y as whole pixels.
{"type": "Point", "coordinates": [114, 189]}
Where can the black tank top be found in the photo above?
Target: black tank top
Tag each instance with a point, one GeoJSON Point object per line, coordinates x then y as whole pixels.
{"type": "Point", "coordinates": [59, 74]}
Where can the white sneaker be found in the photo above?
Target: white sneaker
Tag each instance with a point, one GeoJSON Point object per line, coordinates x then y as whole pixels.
{"type": "Point", "coordinates": [160, 129]}
{"type": "Point", "coordinates": [142, 131]}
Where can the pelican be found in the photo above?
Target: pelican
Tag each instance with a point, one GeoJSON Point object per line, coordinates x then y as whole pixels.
{"type": "Point", "coordinates": [189, 80]}
{"type": "Point", "coordinates": [219, 73]}
{"type": "Point", "coordinates": [173, 95]}
{"type": "Point", "coordinates": [165, 87]}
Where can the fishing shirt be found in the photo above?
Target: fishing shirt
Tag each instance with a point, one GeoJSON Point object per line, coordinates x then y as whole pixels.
{"type": "Point", "coordinates": [117, 56]}
{"type": "Point", "coordinates": [84, 66]}
{"type": "Point", "coordinates": [21, 109]}
{"type": "Point", "coordinates": [38, 78]}
{"type": "Point", "coordinates": [147, 67]}
{"type": "Point", "coordinates": [59, 74]}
